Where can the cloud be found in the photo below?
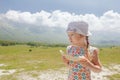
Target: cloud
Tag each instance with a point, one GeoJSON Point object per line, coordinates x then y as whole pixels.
{"type": "Point", "coordinates": [109, 21]}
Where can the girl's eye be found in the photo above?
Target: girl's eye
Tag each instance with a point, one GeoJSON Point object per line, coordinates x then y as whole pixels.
{"type": "Point", "coordinates": [72, 35]}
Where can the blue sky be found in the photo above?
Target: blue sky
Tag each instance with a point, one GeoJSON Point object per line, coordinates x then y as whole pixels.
{"type": "Point", "coordinates": [51, 13]}
{"type": "Point", "coordinates": [97, 7]}
{"type": "Point", "coordinates": [101, 15]}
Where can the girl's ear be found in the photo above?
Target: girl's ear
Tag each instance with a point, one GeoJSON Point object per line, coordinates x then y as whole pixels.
{"type": "Point", "coordinates": [85, 43]}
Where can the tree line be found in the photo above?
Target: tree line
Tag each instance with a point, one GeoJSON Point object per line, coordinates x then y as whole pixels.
{"type": "Point", "coordinates": [36, 44]}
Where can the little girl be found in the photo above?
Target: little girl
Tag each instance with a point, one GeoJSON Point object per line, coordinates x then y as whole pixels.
{"type": "Point", "coordinates": [78, 36]}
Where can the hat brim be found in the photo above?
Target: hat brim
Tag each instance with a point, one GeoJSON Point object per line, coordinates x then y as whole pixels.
{"type": "Point", "coordinates": [89, 33]}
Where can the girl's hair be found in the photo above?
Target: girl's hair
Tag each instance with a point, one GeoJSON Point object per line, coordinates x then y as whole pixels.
{"type": "Point", "coordinates": [88, 53]}
{"type": "Point", "coordinates": [87, 40]}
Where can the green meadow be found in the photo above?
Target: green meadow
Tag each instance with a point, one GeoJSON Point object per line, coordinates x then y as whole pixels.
{"type": "Point", "coordinates": [30, 58]}
{"type": "Point", "coordinates": [43, 58]}
{"type": "Point", "coordinates": [110, 55]}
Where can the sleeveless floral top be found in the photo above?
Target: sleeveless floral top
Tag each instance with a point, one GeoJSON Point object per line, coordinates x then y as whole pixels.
{"type": "Point", "coordinates": [76, 70]}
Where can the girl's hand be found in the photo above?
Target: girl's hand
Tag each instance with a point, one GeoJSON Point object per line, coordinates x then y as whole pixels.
{"type": "Point", "coordinates": [84, 61]}
{"type": "Point", "coordinates": [65, 60]}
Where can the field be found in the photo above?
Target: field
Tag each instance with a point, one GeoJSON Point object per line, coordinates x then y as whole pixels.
{"type": "Point", "coordinates": [18, 59]}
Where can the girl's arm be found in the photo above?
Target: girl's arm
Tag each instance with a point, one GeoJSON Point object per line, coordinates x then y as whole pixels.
{"type": "Point", "coordinates": [93, 65]}
{"type": "Point", "coordinates": [65, 60]}
{"type": "Point", "coordinates": [97, 67]}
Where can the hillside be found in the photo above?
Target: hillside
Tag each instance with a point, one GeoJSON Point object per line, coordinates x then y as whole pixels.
{"type": "Point", "coordinates": [27, 33]}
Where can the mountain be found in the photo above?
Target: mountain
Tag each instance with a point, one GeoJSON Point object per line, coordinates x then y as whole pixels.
{"type": "Point", "coordinates": [28, 32]}
{"type": "Point", "coordinates": [105, 38]}
{"type": "Point", "coordinates": [32, 33]}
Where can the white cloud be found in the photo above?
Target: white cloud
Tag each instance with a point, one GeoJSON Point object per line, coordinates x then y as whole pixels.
{"type": "Point", "coordinates": [111, 21]}
{"type": "Point", "coordinates": [108, 21]}
{"type": "Point", "coordinates": [21, 17]}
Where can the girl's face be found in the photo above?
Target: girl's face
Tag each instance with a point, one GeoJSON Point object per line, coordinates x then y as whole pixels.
{"type": "Point", "coordinates": [75, 38]}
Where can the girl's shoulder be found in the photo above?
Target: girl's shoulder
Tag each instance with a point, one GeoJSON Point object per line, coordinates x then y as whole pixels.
{"type": "Point", "coordinates": [92, 49]}
{"type": "Point", "coordinates": [69, 47]}
{"type": "Point", "coordinates": [72, 46]}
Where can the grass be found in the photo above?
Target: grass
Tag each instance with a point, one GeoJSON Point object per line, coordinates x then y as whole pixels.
{"type": "Point", "coordinates": [114, 77]}
{"type": "Point", "coordinates": [110, 55]}
{"type": "Point", "coordinates": [42, 58]}
{"type": "Point", "coordinates": [6, 77]}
